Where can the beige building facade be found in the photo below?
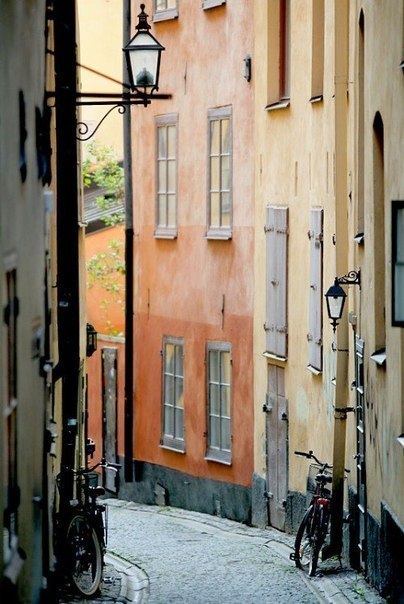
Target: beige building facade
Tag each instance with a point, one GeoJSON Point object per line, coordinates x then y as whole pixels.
{"type": "Point", "coordinates": [329, 129]}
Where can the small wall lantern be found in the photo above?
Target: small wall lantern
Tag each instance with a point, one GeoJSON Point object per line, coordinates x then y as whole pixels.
{"type": "Point", "coordinates": [335, 296]}
{"type": "Point", "coordinates": [143, 54]}
{"type": "Point", "coordinates": [91, 340]}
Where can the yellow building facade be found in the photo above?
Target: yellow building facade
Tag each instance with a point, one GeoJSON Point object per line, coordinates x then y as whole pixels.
{"type": "Point", "coordinates": [328, 138]}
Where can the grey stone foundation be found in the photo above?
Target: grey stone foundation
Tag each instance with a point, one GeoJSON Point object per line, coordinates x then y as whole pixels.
{"type": "Point", "coordinates": [158, 485]}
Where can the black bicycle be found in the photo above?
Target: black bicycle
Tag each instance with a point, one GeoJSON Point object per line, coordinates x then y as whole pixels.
{"type": "Point", "coordinates": [313, 528]}
{"type": "Point", "coordinates": [83, 531]}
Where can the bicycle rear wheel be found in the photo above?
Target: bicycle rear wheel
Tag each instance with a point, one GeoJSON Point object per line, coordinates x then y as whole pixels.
{"type": "Point", "coordinates": [84, 556]}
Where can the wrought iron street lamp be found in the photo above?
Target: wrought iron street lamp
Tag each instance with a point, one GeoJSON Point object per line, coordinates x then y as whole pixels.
{"type": "Point", "coordinates": [335, 296]}
{"type": "Point", "coordinates": [143, 53]}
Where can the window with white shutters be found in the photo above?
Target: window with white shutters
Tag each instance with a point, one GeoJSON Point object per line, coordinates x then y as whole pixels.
{"type": "Point", "coordinates": [276, 327]}
{"type": "Point", "coordinates": [314, 336]}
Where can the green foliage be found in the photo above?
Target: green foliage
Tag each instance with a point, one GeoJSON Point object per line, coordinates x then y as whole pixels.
{"type": "Point", "coordinates": [106, 268]}
{"type": "Point", "coordinates": [102, 169]}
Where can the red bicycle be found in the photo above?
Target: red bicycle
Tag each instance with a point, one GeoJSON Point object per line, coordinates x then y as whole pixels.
{"type": "Point", "coordinates": [313, 528]}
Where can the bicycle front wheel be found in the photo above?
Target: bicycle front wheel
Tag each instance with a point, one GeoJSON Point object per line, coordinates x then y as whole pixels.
{"type": "Point", "coordinates": [84, 556]}
{"type": "Point", "coordinates": [304, 542]}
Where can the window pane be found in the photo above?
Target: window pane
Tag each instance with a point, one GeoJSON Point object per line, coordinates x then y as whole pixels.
{"type": "Point", "coordinates": [225, 367]}
{"type": "Point", "coordinates": [169, 358]}
{"type": "Point", "coordinates": [214, 399]}
{"type": "Point", "coordinates": [400, 235]}
{"type": "Point", "coordinates": [179, 423]}
{"type": "Point", "coordinates": [169, 390]}
{"type": "Point", "coordinates": [214, 174]}
{"type": "Point", "coordinates": [169, 421]}
{"type": "Point", "coordinates": [225, 138]}
{"type": "Point", "coordinates": [225, 169]}
{"type": "Point", "coordinates": [162, 178]}
{"type": "Point", "coordinates": [179, 360]}
{"type": "Point", "coordinates": [215, 209]}
{"type": "Point", "coordinates": [214, 432]}
{"type": "Point", "coordinates": [171, 141]}
{"type": "Point", "coordinates": [225, 440]}
{"type": "Point", "coordinates": [214, 359]}
{"type": "Point", "coordinates": [399, 292]}
{"type": "Point", "coordinates": [214, 137]}
{"type": "Point", "coordinates": [225, 209]}
{"type": "Point", "coordinates": [171, 220]}
{"type": "Point", "coordinates": [162, 137]}
{"type": "Point", "coordinates": [179, 393]}
{"type": "Point", "coordinates": [162, 217]}
{"type": "Point", "coordinates": [171, 175]}
{"type": "Point", "coordinates": [225, 401]}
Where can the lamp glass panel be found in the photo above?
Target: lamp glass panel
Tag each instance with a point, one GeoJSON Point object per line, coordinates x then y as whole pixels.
{"type": "Point", "coordinates": [335, 306]}
{"type": "Point", "coordinates": [144, 61]}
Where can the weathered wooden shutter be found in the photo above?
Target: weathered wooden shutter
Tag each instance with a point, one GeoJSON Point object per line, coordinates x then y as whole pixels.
{"type": "Point", "coordinates": [276, 229]}
{"type": "Point", "coordinates": [315, 334]}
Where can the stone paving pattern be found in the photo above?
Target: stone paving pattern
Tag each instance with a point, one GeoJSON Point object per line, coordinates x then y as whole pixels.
{"type": "Point", "coordinates": [192, 558]}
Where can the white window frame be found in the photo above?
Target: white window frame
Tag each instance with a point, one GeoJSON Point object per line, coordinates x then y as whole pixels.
{"type": "Point", "coordinates": [218, 453]}
{"type": "Point", "coordinates": [166, 231]}
{"type": "Point", "coordinates": [220, 231]}
{"type": "Point", "coordinates": [165, 13]}
{"type": "Point", "coordinates": [176, 440]}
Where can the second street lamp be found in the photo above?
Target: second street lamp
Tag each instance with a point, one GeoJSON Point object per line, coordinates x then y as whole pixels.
{"type": "Point", "coordinates": [143, 53]}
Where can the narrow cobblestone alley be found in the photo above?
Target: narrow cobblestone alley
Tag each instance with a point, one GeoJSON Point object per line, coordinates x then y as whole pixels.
{"type": "Point", "coordinates": [160, 555]}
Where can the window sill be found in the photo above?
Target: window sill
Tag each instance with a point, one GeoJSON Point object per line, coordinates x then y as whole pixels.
{"type": "Point", "coordinates": [379, 357]}
{"type": "Point", "coordinates": [174, 447]}
{"type": "Point", "coordinates": [165, 234]}
{"type": "Point", "coordinates": [313, 370]}
{"type": "Point", "coordinates": [223, 235]}
{"type": "Point", "coordinates": [165, 15]}
{"type": "Point", "coordinates": [282, 104]}
{"type": "Point", "coordinates": [274, 357]}
{"type": "Point", "coordinates": [212, 3]}
{"type": "Point", "coordinates": [225, 460]}
{"type": "Point", "coordinates": [316, 99]}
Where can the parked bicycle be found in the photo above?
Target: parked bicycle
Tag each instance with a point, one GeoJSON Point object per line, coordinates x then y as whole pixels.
{"type": "Point", "coordinates": [314, 526]}
{"type": "Point", "coordinates": [83, 531]}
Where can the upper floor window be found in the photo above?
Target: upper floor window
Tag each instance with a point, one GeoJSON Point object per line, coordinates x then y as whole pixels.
{"type": "Point", "coordinates": [220, 173]}
{"type": "Point", "coordinates": [166, 223]}
{"type": "Point", "coordinates": [165, 9]}
{"type": "Point", "coordinates": [219, 401]}
{"type": "Point", "coordinates": [173, 393]}
{"type": "Point", "coordinates": [398, 263]}
{"type": "Point", "coordinates": [279, 53]}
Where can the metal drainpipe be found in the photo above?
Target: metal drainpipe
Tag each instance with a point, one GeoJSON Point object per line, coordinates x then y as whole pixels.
{"type": "Point", "coordinates": [129, 268]}
{"type": "Point", "coordinates": [341, 20]}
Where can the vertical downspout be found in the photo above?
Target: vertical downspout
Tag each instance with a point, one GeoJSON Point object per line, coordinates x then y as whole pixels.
{"type": "Point", "coordinates": [129, 268]}
{"type": "Point", "coordinates": [67, 229]}
{"type": "Point", "coordinates": [341, 20]}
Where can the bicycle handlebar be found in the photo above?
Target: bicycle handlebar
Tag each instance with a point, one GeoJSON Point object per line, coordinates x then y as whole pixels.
{"type": "Point", "coordinates": [310, 455]}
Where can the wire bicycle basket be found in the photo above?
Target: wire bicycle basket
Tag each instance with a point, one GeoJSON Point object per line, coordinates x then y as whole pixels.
{"type": "Point", "coordinates": [311, 485]}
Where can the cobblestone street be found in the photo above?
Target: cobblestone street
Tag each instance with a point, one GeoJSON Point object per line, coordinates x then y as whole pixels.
{"type": "Point", "coordinates": [160, 555]}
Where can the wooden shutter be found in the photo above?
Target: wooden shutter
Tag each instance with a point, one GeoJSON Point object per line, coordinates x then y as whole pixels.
{"type": "Point", "coordinates": [276, 229]}
{"type": "Point", "coordinates": [315, 334]}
